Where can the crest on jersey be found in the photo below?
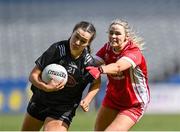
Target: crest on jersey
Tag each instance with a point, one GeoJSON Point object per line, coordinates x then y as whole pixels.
{"type": "Point", "coordinates": [71, 81]}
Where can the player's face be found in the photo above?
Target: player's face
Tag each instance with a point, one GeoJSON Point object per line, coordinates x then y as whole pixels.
{"type": "Point", "coordinates": [117, 36]}
{"type": "Point", "coordinates": [79, 39]}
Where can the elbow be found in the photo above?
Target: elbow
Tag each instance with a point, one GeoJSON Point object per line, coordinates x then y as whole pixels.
{"type": "Point", "coordinates": [32, 77]}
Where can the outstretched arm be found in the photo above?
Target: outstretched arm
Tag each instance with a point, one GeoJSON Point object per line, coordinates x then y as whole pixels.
{"type": "Point", "coordinates": [112, 68]}
{"type": "Point", "coordinates": [93, 90]}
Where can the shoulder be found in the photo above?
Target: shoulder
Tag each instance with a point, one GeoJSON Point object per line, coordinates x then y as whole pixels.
{"type": "Point", "coordinates": [86, 54]}
{"type": "Point", "coordinates": [61, 47]}
{"type": "Point", "coordinates": [104, 49]}
{"type": "Point", "coordinates": [88, 58]}
{"type": "Point", "coordinates": [63, 43]}
{"type": "Point", "coordinates": [131, 47]}
{"type": "Point", "coordinates": [107, 46]}
{"type": "Point", "coordinates": [132, 54]}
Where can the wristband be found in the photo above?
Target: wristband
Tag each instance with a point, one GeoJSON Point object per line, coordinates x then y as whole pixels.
{"type": "Point", "coordinates": [100, 69]}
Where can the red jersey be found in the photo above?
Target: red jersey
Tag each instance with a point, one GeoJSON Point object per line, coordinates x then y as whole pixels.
{"type": "Point", "coordinates": [129, 87]}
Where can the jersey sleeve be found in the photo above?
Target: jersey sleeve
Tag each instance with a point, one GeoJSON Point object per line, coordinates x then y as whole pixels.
{"type": "Point", "coordinates": [134, 56]}
{"type": "Point", "coordinates": [47, 57]}
{"type": "Point", "coordinates": [101, 53]}
{"type": "Point", "coordinates": [89, 61]}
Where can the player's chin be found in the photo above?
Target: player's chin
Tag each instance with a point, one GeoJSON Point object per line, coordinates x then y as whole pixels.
{"type": "Point", "coordinates": [114, 44]}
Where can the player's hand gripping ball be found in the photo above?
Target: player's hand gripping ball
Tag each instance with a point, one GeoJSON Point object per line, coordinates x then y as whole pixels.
{"type": "Point", "coordinates": [54, 71]}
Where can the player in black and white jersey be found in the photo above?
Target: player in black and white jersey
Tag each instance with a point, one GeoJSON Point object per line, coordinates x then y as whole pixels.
{"type": "Point", "coordinates": [53, 105]}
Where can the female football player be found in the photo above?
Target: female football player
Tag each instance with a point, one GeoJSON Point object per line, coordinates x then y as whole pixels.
{"type": "Point", "coordinates": [127, 94]}
{"type": "Point", "coordinates": [53, 104]}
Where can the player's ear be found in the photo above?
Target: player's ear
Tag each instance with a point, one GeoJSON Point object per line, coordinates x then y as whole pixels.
{"type": "Point", "coordinates": [126, 37]}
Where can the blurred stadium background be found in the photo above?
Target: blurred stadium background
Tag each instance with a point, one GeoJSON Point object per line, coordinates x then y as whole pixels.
{"type": "Point", "coordinates": [28, 27]}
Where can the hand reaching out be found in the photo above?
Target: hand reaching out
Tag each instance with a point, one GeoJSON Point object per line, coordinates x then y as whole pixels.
{"type": "Point", "coordinates": [95, 71]}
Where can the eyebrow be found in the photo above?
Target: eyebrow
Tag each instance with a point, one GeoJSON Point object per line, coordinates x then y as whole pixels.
{"type": "Point", "coordinates": [114, 31]}
{"type": "Point", "coordinates": [78, 34]}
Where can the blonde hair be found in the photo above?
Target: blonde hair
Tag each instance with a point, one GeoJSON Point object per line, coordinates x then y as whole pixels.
{"type": "Point", "coordinates": [138, 41]}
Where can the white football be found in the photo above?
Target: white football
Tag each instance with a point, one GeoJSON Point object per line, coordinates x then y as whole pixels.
{"type": "Point", "coordinates": [54, 71]}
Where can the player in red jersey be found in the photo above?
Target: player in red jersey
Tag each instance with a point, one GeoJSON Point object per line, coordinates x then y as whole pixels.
{"type": "Point", "coordinates": [127, 94]}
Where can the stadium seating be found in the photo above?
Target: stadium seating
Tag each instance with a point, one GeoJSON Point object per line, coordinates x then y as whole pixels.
{"type": "Point", "coordinates": [28, 28]}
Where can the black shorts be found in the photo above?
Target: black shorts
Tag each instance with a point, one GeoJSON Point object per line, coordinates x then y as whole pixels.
{"type": "Point", "coordinates": [41, 111]}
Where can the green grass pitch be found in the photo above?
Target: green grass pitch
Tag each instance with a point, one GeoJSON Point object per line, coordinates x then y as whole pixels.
{"type": "Point", "coordinates": [85, 122]}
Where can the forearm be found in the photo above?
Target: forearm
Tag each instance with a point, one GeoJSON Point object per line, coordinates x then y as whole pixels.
{"type": "Point", "coordinates": [93, 90]}
{"type": "Point", "coordinates": [35, 78]}
{"type": "Point", "coordinates": [91, 94]}
{"type": "Point", "coordinates": [36, 81]}
{"type": "Point", "coordinates": [115, 68]}
{"type": "Point", "coordinates": [112, 68]}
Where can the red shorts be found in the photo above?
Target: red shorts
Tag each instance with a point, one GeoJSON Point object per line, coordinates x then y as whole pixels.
{"type": "Point", "coordinates": [135, 112]}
